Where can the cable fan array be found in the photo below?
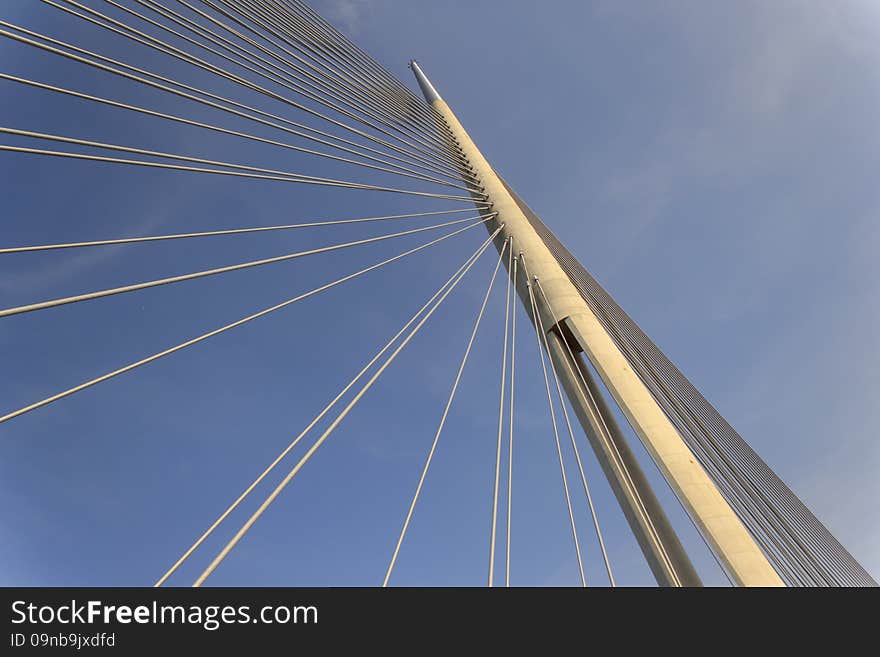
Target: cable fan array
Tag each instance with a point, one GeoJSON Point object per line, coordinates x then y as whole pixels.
{"type": "Point", "coordinates": [286, 80]}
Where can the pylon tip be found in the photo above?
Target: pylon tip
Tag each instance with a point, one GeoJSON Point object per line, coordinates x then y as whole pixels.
{"type": "Point", "coordinates": [427, 88]}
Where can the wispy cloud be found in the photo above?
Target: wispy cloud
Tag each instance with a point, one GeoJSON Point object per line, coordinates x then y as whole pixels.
{"type": "Point", "coordinates": [348, 14]}
{"type": "Point", "coordinates": [79, 261]}
{"type": "Point", "coordinates": [774, 140]}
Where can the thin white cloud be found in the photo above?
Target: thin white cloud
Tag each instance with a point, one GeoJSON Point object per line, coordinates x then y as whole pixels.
{"type": "Point", "coordinates": [50, 272]}
{"type": "Point", "coordinates": [347, 14]}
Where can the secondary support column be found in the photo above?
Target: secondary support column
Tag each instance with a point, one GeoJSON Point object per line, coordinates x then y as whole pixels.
{"type": "Point", "coordinates": [716, 520]}
{"type": "Point", "coordinates": [663, 551]}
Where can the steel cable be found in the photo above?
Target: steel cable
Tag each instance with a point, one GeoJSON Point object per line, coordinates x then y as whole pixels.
{"type": "Point", "coordinates": [219, 270]}
{"type": "Point", "coordinates": [443, 417]}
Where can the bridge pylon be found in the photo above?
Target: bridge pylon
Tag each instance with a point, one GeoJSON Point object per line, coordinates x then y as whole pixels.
{"type": "Point", "coordinates": [572, 327]}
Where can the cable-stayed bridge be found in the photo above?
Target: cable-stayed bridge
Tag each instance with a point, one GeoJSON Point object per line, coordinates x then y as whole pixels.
{"type": "Point", "coordinates": [282, 84]}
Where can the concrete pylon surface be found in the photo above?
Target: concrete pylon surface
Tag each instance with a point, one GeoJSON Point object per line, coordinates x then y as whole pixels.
{"type": "Point", "coordinates": [731, 542]}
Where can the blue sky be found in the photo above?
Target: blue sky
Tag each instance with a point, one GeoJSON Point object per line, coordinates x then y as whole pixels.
{"type": "Point", "coordinates": [712, 164]}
